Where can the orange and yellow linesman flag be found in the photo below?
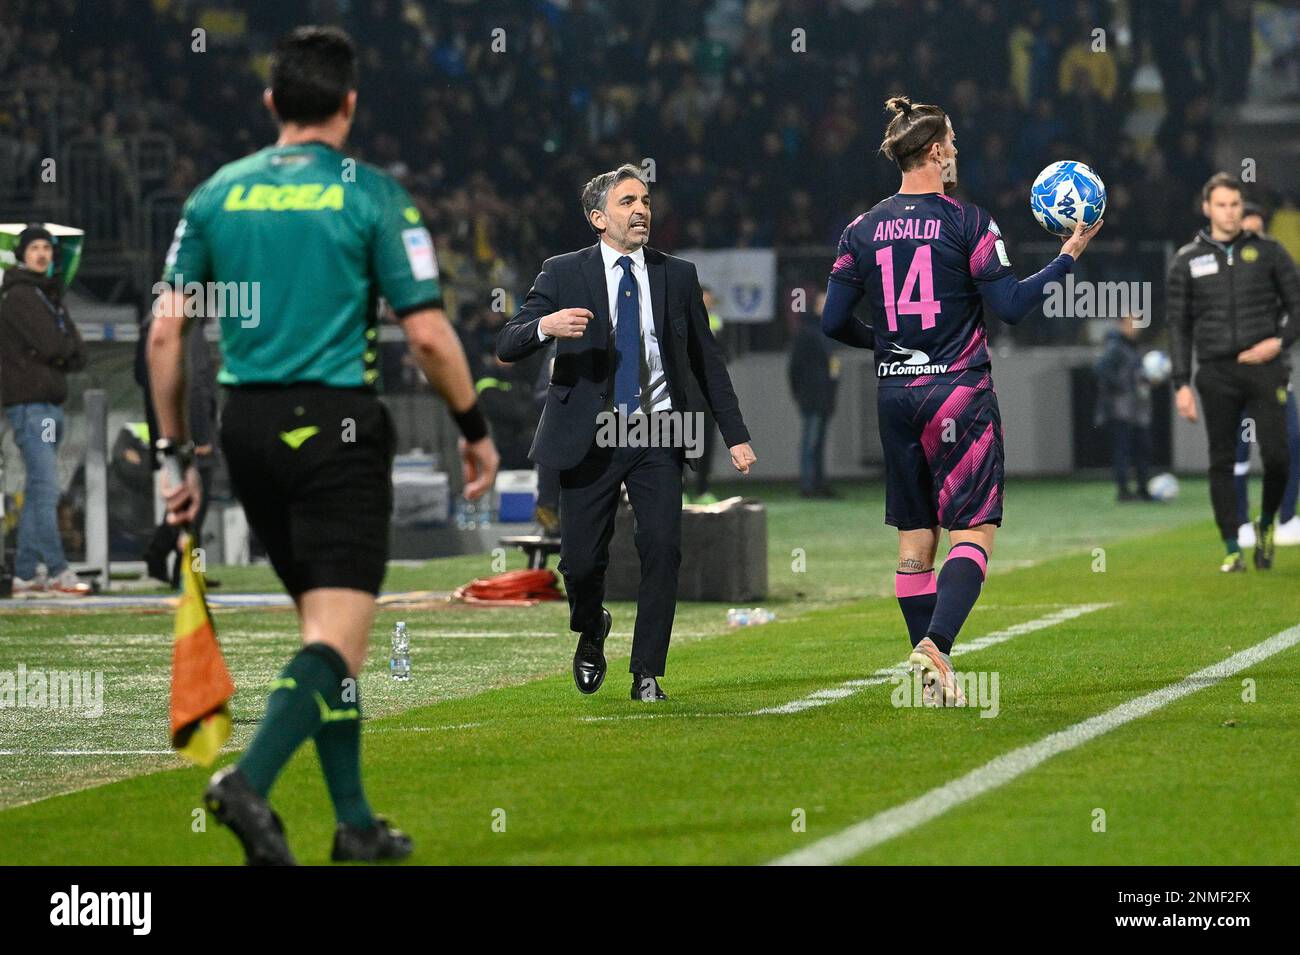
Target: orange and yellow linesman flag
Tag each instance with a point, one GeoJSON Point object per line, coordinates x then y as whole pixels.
{"type": "Point", "coordinates": [201, 684]}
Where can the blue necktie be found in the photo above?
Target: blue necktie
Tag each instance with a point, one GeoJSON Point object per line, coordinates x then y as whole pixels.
{"type": "Point", "coordinates": [627, 339]}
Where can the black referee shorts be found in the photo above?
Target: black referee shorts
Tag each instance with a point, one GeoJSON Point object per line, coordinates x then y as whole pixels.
{"type": "Point", "coordinates": [312, 466]}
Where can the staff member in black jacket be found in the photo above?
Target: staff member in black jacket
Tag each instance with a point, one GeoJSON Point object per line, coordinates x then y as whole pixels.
{"type": "Point", "coordinates": [630, 326]}
{"type": "Point", "coordinates": [39, 346]}
{"type": "Point", "coordinates": [812, 371]}
{"type": "Point", "coordinates": [1229, 293]}
{"type": "Point", "coordinates": [1124, 408]}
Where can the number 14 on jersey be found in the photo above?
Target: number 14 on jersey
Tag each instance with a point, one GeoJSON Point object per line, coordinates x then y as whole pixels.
{"type": "Point", "coordinates": [919, 273]}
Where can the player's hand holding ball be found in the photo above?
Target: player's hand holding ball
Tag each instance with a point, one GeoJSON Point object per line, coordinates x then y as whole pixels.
{"type": "Point", "coordinates": [566, 323]}
{"type": "Point", "coordinates": [1079, 239]}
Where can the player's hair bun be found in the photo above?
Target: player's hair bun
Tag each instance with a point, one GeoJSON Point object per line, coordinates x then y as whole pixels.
{"type": "Point", "coordinates": [912, 129]}
{"type": "Point", "coordinates": [899, 104]}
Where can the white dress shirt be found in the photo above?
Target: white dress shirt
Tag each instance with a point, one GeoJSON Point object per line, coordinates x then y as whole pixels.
{"type": "Point", "coordinates": [654, 380]}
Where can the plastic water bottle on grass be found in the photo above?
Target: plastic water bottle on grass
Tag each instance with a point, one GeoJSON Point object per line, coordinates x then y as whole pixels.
{"type": "Point", "coordinates": [748, 616]}
{"type": "Point", "coordinates": [399, 664]}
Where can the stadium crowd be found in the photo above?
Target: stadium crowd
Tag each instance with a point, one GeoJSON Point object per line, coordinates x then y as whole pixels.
{"type": "Point", "coordinates": [762, 118]}
{"type": "Point", "coordinates": [759, 120]}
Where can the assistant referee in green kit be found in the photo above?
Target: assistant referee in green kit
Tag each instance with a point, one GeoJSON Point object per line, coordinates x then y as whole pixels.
{"type": "Point", "coordinates": [312, 238]}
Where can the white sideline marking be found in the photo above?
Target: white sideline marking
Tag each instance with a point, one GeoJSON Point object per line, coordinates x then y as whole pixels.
{"type": "Point", "coordinates": [86, 752]}
{"type": "Point", "coordinates": [1001, 770]}
{"type": "Point", "coordinates": [434, 634]}
{"type": "Point", "coordinates": [657, 716]}
{"type": "Point", "coordinates": [426, 729]}
{"type": "Point", "coordinates": [850, 687]}
{"type": "Point", "coordinates": [169, 752]}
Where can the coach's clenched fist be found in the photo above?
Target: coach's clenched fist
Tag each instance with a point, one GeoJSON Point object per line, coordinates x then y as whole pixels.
{"type": "Point", "coordinates": [566, 323]}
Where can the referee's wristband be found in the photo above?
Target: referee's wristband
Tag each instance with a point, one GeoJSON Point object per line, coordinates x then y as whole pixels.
{"type": "Point", "coordinates": [183, 454]}
{"type": "Point", "coordinates": [471, 422]}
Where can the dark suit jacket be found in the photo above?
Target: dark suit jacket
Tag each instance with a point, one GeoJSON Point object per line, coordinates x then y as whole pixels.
{"type": "Point", "coordinates": [583, 375]}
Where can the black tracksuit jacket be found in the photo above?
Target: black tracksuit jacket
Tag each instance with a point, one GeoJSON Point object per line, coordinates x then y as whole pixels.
{"type": "Point", "coordinates": [1225, 297]}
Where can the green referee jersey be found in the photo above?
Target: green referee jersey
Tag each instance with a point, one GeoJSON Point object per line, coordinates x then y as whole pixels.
{"type": "Point", "coordinates": [311, 238]}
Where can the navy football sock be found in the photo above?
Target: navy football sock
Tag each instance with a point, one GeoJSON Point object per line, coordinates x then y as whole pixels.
{"type": "Point", "coordinates": [915, 592]}
{"type": "Point", "coordinates": [959, 586]}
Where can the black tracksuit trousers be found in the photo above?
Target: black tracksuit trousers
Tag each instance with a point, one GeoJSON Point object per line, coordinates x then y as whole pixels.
{"type": "Point", "coordinates": [1227, 388]}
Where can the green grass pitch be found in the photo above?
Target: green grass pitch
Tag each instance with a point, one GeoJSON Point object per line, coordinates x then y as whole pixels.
{"type": "Point", "coordinates": [489, 755]}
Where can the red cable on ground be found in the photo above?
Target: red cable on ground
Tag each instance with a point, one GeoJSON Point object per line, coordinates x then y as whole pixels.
{"type": "Point", "coordinates": [514, 588]}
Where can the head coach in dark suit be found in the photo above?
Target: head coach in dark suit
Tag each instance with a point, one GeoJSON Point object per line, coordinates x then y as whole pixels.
{"type": "Point", "coordinates": [630, 329]}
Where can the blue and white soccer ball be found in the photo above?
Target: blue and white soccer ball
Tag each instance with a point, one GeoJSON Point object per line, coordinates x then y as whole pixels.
{"type": "Point", "coordinates": [1163, 487]}
{"type": "Point", "coordinates": [1066, 192]}
{"type": "Point", "coordinates": [1156, 366]}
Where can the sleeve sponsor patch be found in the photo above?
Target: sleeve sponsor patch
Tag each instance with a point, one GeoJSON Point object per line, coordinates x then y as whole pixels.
{"type": "Point", "coordinates": [1001, 248]}
{"type": "Point", "coordinates": [419, 253]}
{"type": "Point", "coordinates": [177, 238]}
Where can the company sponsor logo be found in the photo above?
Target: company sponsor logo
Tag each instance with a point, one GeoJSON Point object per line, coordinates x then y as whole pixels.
{"type": "Point", "coordinates": [308, 196]}
{"type": "Point", "coordinates": [916, 362]}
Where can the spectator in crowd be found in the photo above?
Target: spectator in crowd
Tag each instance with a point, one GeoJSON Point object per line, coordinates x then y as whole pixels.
{"type": "Point", "coordinates": [740, 128]}
{"type": "Point", "coordinates": [1285, 226]}
{"type": "Point", "coordinates": [1124, 409]}
{"type": "Point", "coordinates": [39, 346]}
{"type": "Point", "coordinates": [812, 371]}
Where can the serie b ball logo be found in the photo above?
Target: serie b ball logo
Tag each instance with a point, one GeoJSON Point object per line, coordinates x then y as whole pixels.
{"type": "Point", "coordinates": [1065, 193]}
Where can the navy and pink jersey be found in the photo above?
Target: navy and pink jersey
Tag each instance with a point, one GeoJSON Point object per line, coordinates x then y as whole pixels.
{"type": "Point", "coordinates": [919, 260]}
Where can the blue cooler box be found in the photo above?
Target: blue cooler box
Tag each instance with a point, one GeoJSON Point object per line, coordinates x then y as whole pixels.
{"type": "Point", "coordinates": [516, 496]}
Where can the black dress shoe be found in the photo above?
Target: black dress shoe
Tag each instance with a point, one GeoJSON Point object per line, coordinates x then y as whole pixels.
{"type": "Point", "coordinates": [249, 816]}
{"type": "Point", "coordinates": [646, 689]}
{"type": "Point", "coordinates": [378, 842]}
{"type": "Point", "coordinates": [589, 658]}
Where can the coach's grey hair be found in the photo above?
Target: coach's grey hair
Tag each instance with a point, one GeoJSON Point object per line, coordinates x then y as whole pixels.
{"type": "Point", "coordinates": [596, 192]}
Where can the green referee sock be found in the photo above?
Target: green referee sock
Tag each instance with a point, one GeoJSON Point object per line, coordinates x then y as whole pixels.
{"type": "Point", "coordinates": [338, 744]}
{"type": "Point", "coordinates": [293, 712]}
